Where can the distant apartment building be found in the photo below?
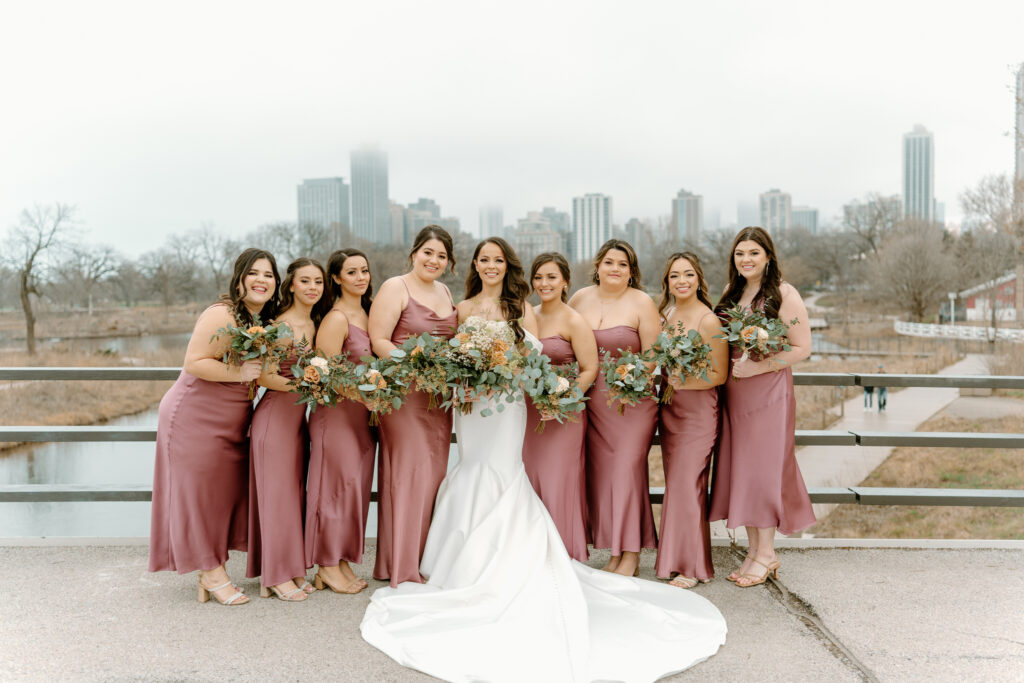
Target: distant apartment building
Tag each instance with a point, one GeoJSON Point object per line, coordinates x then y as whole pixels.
{"type": "Point", "coordinates": [371, 209]}
{"type": "Point", "coordinates": [591, 224]}
{"type": "Point", "coordinates": [687, 218]}
{"type": "Point", "coordinates": [804, 217]}
{"type": "Point", "coordinates": [535, 235]}
{"type": "Point", "coordinates": [633, 231]}
{"type": "Point", "coordinates": [560, 220]}
{"type": "Point", "coordinates": [919, 174]}
{"type": "Point", "coordinates": [776, 211]}
{"type": "Point", "coordinates": [323, 201]}
{"type": "Point", "coordinates": [492, 221]}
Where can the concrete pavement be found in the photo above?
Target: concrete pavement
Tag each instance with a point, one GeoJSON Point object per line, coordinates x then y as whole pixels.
{"type": "Point", "coordinates": [92, 612]}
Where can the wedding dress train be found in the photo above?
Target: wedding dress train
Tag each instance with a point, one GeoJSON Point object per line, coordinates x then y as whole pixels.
{"type": "Point", "coordinates": [504, 602]}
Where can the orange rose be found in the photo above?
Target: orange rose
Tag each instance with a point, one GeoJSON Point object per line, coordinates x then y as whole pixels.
{"type": "Point", "coordinates": [622, 371]}
{"type": "Point", "coordinates": [749, 334]}
{"type": "Point", "coordinates": [416, 351]}
{"type": "Point", "coordinates": [311, 374]}
{"type": "Point", "coordinates": [255, 329]}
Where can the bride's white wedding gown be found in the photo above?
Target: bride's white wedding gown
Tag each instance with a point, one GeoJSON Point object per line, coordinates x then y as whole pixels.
{"type": "Point", "coordinates": [504, 602]}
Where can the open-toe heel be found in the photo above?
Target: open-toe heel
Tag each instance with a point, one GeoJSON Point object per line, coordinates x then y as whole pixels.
{"type": "Point", "coordinates": [287, 596]}
{"type": "Point", "coordinates": [237, 599]}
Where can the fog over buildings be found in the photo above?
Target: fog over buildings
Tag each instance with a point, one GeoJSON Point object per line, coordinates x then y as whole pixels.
{"type": "Point", "coordinates": [154, 123]}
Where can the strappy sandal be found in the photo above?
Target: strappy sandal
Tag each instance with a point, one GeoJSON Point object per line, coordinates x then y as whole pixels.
{"type": "Point", "coordinates": [319, 581]}
{"type": "Point", "coordinates": [733, 575]}
{"type": "Point", "coordinates": [680, 581]}
{"type": "Point", "coordinates": [204, 594]}
{"type": "Point", "coordinates": [266, 592]}
{"type": "Point", "coordinates": [755, 580]}
{"type": "Point", "coordinates": [306, 586]}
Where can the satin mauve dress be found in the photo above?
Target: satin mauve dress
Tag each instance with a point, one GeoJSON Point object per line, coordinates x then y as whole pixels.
{"type": "Point", "coordinates": [414, 443]}
{"type": "Point", "coordinates": [688, 427]}
{"type": "Point", "coordinates": [277, 486]}
{"type": "Point", "coordinates": [201, 475]}
{"type": "Point", "coordinates": [342, 446]}
{"type": "Point", "coordinates": [554, 462]}
{"type": "Point", "coordinates": [757, 481]}
{"type": "Point", "coordinates": [618, 485]}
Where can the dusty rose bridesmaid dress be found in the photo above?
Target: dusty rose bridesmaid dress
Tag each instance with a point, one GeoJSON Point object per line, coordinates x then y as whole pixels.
{"type": "Point", "coordinates": [618, 493]}
{"type": "Point", "coordinates": [757, 482]}
{"type": "Point", "coordinates": [277, 486]}
{"type": "Point", "coordinates": [201, 475]}
{"type": "Point", "coordinates": [554, 462]}
{"type": "Point", "coordinates": [414, 443]}
{"type": "Point", "coordinates": [342, 446]}
{"type": "Point", "coordinates": [688, 427]}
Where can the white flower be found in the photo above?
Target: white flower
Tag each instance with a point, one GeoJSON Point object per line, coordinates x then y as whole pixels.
{"type": "Point", "coordinates": [320, 363]}
{"type": "Point", "coordinates": [762, 333]}
{"type": "Point", "coordinates": [562, 386]}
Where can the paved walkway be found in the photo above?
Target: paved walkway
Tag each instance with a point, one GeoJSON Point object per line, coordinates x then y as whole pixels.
{"type": "Point", "coordinates": [93, 613]}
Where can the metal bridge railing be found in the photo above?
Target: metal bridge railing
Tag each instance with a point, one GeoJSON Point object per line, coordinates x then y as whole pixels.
{"type": "Point", "coordinates": [851, 495]}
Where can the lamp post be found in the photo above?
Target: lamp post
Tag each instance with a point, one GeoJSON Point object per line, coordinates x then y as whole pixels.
{"type": "Point", "coordinates": [952, 309]}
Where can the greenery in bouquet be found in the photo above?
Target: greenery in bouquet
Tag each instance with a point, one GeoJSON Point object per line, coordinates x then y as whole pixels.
{"type": "Point", "coordinates": [266, 343]}
{"type": "Point", "coordinates": [628, 378]}
{"type": "Point", "coordinates": [756, 335]}
{"type": "Point", "coordinates": [555, 393]}
{"type": "Point", "coordinates": [379, 385]}
{"type": "Point", "coordinates": [319, 379]}
{"type": "Point", "coordinates": [482, 361]}
{"type": "Point", "coordinates": [419, 363]}
{"type": "Point", "coordinates": [680, 352]}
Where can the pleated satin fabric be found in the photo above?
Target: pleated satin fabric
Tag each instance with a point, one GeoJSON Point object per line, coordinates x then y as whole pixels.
{"type": "Point", "coordinates": [757, 481]}
{"type": "Point", "coordinates": [618, 496]}
{"type": "Point", "coordinates": [201, 475]}
{"type": "Point", "coordinates": [688, 427]}
{"type": "Point", "coordinates": [277, 486]}
{"type": "Point", "coordinates": [342, 449]}
{"type": "Point", "coordinates": [414, 443]}
{"type": "Point", "coordinates": [554, 462]}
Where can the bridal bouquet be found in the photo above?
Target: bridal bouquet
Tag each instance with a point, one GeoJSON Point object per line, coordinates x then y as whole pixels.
{"type": "Point", "coordinates": [268, 344]}
{"type": "Point", "coordinates": [319, 380]}
{"type": "Point", "coordinates": [754, 333]}
{"type": "Point", "coordinates": [555, 395]}
{"type": "Point", "coordinates": [628, 379]}
{"type": "Point", "coordinates": [482, 361]}
{"type": "Point", "coordinates": [680, 352]}
{"type": "Point", "coordinates": [420, 363]}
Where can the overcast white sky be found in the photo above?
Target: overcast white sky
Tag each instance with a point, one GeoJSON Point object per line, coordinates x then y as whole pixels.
{"type": "Point", "coordinates": [153, 118]}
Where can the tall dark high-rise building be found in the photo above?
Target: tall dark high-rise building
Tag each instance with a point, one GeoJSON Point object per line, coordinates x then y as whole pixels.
{"type": "Point", "coordinates": [371, 211]}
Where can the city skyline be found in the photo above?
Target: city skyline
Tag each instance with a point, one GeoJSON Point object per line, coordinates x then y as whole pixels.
{"type": "Point", "coordinates": [213, 135]}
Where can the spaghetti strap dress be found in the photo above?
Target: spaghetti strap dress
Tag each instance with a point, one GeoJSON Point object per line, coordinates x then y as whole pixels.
{"type": "Point", "coordinates": [757, 481]}
{"type": "Point", "coordinates": [554, 461]}
{"type": "Point", "coordinates": [342, 448]}
{"type": "Point", "coordinates": [618, 484]}
{"type": "Point", "coordinates": [414, 444]}
{"type": "Point", "coordinates": [201, 475]}
{"type": "Point", "coordinates": [277, 486]}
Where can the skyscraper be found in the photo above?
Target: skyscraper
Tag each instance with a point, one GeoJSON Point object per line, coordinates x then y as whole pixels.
{"type": "Point", "coordinates": [492, 221]}
{"type": "Point", "coordinates": [591, 224]}
{"type": "Point", "coordinates": [371, 213]}
{"type": "Point", "coordinates": [919, 174]}
{"type": "Point", "coordinates": [323, 201]}
{"type": "Point", "coordinates": [687, 218]}
{"type": "Point", "coordinates": [804, 217]}
{"type": "Point", "coordinates": [776, 211]}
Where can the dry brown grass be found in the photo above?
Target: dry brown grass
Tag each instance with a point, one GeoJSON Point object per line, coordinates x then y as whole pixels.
{"type": "Point", "coordinates": [988, 468]}
{"type": "Point", "coordinates": [127, 322]}
{"type": "Point", "coordinates": [78, 402]}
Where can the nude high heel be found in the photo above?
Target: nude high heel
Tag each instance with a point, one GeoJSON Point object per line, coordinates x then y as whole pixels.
{"type": "Point", "coordinates": [771, 569]}
{"type": "Point", "coordinates": [204, 594]}
{"type": "Point", "coordinates": [266, 592]}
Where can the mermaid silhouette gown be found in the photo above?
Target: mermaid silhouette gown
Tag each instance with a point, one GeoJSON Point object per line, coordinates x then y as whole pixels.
{"type": "Point", "coordinates": [504, 602]}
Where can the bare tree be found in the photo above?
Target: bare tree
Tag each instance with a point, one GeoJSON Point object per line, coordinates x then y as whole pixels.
{"type": "Point", "coordinates": [994, 204]}
{"type": "Point", "coordinates": [41, 231]}
{"type": "Point", "coordinates": [836, 256]}
{"type": "Point", "coordinates": [83, 270]}
{"type": "Point", "coordinates": [913, 268]}
{"type": "Point", "coordinates": [216, 252]}
{"type": "Point", "coordinates": [983, 257]}
{"type": "Point", "coordinates": [873, 219]}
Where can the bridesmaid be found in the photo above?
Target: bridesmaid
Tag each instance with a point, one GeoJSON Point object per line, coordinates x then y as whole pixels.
{"type": "Point", "coordinates": [618, 496]}
{"type": "Point", "coordinates": [757, 483]}
{"type": "Point", "coordinates": [200, 479]}
{"type": "Point", "coordinates": [689, 427]}
{"type": "Point", "coordinates": [342, 444]}
{"type": "Point", "coordinates": [414, 440]}
{"type": "Point", "coordinates": [554, 459]}
{"type": "Point", "coordinates": [279, 446]}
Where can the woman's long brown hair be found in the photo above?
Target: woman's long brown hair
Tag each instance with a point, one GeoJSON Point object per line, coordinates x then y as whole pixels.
{"type": "Point", "coordinates": [514, 289]}
{"type": "Point", "coordinates": [769, 296]}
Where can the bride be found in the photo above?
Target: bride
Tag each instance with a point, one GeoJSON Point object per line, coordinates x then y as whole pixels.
{"type": "Point", "coordinates": [503, 601]}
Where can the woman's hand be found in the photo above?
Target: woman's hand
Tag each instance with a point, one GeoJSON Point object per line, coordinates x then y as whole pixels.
{"type": "Point", "coordinates": [250, 370]}
{"type": "Point", "coordinates": [744, 367]}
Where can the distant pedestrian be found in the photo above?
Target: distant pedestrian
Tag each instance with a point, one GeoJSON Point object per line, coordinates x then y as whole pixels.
{"type": "Point", "coordinates": [883, 392]}
{"type": "Point", "coordinates": [869, 393]}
